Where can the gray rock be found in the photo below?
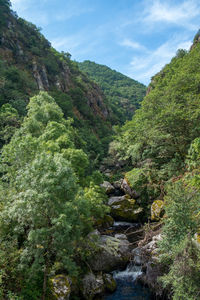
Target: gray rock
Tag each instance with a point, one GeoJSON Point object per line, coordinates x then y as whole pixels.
{"type": "Point", "coordinates": [138, 256]}
{"type": "Point", "coordinates": [116, 200]}
{"type": "Point", "coordinates": [60, 285]}
{"type": "Point", "coordinates": [109, 282]}
{"type": "Point", "coordinates": [128, 190]}
{"type": "Point", "coordinates": [125, 209]}
{"type": "Point", "coordinates": [120, 236]}
{"type": "Point", "coordinates": [109, 188]}
{"type": "Point", "coordinates": [112, 253]}
{"type": "Point", "coordinates": [117, 184]}
{"type": "Point", "coordinates": [92, 286]}
{"type": "Point", "coordinates": [151, 276]}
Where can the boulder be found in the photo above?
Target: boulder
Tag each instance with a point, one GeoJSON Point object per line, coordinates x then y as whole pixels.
{"type": "Point", "coordinates": [104, 223]}
{"type": "Point", "coordinates": [151, 278]}
{"type": "Point", "coordinates": [138, 256]}
{"type": "Point", "coordinates": [151, 249]}
{"type": "Point", "coordinates": [123, 208]}
{"type": "Point", "coordinates": [117, 184]}
{"type": "Point", "coordinates": [111, 253]}
{"type": "Point", "coordinates": [157, 210]}
{"type": "Point", "coordinates": [109, 282]}
{"type": "Point", "coordinates": [125, 187]}
{"type": "Point", "coordinates": [92, 285]}
{"type": "Point", "coordinates": [147, 256]}
{"type": "Point", "coordinates": [120, 236]}
{"type": "Point", "coordinates": [61, 287]}
{"type": "Point", "coordinates": [109, 188]}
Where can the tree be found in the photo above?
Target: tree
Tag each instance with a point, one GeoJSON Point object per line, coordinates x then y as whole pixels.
{"type": "Point", "coordinates": [44, 207]}
{"type": "Point", "coordinates": [9, 121]}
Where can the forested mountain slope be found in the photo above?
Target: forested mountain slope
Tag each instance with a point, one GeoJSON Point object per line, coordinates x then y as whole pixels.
{"type": "Point", "coordinates": [28, 64]}
{"type": "Point", "coordinates": [123, 94]}
{"type": "Point", "coordinates": [162, 143]}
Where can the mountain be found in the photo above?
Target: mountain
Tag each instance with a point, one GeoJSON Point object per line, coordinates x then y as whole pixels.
{"type": "Point", "coordinates": [123, 94]}
{"type": "Point", "coordinates": [28, 64]}
{"type": "Point", "coordinates": [162, 143]}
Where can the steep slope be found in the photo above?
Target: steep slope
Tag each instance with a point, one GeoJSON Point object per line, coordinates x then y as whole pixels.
{"type": "Point", "coordinates": [123, 94]}
{"type": "Point", "coordinates": [162, 130]}
{"type": "Point", "coordinates": [28, 64]}
{"type": "Point", "coordinates": [163, 144]}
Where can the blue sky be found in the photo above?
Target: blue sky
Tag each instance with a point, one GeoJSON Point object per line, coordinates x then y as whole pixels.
{"type": "Point", "coordinates": [134, 37]}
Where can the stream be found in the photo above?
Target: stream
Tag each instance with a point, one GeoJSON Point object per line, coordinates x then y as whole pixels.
{"type": "Point", "coordinates": [127, 286]}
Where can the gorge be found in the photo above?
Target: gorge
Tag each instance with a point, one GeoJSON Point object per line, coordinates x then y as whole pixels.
{"type": "Point", "coordinates": [99, 178]}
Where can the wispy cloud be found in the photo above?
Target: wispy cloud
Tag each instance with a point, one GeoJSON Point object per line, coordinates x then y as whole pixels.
{"type": "Point", "coordinates": [136, 39]}
{"type": "Point", "coordinates": [132, 44]}
{"type": "Point", "coordinates": [142, 67]}
{"type": "Point", "coordinates": [181, 14]}
{"type": "Point", "coordinates": [73, 11]}
{"type": "Point", "coordinates": [67, 43]}
{"type": "Point", "coordinates": [36, 11]}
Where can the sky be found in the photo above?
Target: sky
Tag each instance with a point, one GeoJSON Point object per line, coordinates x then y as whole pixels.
{"type": "Point", "coordinates": [134, 37]}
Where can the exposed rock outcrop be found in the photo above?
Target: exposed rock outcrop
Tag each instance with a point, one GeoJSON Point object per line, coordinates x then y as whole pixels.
{"type": "Point", "coordinates": [125, 187]}
{"type": "Point", "coordinates": [109, 188]}
{"type": "Point", "coordinates": [123, 208]}
{"type": "Point", "coordinates": [157, 210]}
{"type": "Point", "coordinates": [60, 285]}
{"type": "Point", "coordinates": [92, 285]}
{"type": "Point", "coordinates": [112, 253]}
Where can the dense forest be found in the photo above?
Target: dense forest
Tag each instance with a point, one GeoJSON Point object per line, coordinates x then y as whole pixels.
{"type": "Point", "coordinates": [162, 143]}
{"type": "Point", "coordinates": [56, 126]}
{"type": "Point", "coordinates": [123, 94]}
{"type": "Point", "coordinates": [28, 63]}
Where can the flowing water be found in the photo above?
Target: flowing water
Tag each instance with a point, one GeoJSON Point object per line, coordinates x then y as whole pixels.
{"type": "Point", "coordinates": [127, 286]}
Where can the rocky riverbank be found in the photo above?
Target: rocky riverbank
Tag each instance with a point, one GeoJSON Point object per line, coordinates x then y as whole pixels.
{"type": "Point", "coordinates": [118, 240]}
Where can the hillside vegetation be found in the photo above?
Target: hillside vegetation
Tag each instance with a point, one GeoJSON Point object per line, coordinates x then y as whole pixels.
{"type": "Point", "coordinates": [162, 144]}
{"type": "Point", "coordinates": [28, 64]}
{"type": "Point", "coordinates": [55, 128]}
{"type": "Point", "coordinates": [123, 94]}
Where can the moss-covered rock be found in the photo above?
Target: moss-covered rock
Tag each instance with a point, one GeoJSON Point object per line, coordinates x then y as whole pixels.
{"type": "Point", "coordinates": [60, 287]}
{"type": "Point", "coordinates": [111, 253]}
{"type": "Point", "coordinates": [145, 184]}
{"type": "Point", "coordinates": [105, 222]}
{"type": "Point", "coordinates": [108, 187]}
{"type": "Point", "coordinates": [92, 285]}
{"type": "Point", "coordinates": [136, 178]}
{"type": "Point", "coordinates": [196, 240]}
{"type": "Point", "coordinates": [125, 187]}
{"type": "Point", "coordinates": [124, 208]}
{"type": "Point", "coordinates": [109, 283]}
{"type": "Point", "coordinates": [157, 209]}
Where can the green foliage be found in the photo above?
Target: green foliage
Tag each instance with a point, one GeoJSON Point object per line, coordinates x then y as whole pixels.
{"type": "Point", "coordinates": [181, 207]}
{"type": "Point", "coordinates": [9, 121]}
{"type": "Point", "coordinates": [146, 182]}
{"type": "Point", "coordinates": [184, 273]}
{"type": "Point", "coordinates": [16, 85]}
{"type": "Point", "coordinates": [123, 94]}
{"type": "Point", "coordinates": [44, 208]}
{"type": "Point", "coordinates": [4, 9]}
{"type": "Point", "coordinates": [168, 121]}
{"type": "Point", "coordinates": [178, 251]}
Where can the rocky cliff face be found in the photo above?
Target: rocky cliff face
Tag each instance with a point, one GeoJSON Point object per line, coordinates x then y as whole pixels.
{"type": "Point", "coordinates": [22, 45]}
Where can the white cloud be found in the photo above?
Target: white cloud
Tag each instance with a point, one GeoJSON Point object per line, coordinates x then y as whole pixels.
{"type": "Point", "coordinates": [72, 11]}
{"type": "Point", "coordinates": [69, 43]}
{"type": "Point", "coordinates": [132, 44]}
{"type": "Point", "coordinates": [181, 14]}
{"type": "Point", "coordinates": [142, 67]}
